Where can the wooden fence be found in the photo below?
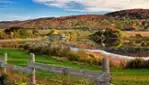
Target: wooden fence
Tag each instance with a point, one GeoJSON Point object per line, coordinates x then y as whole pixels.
{"type": "Point", "coordinates": [101, 78]}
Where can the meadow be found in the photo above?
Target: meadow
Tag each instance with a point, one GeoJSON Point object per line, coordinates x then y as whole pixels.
{"type": "Point", "coordinates": [119, 76]}
{"type": "Point", "coordinates": [51, 40]}
{"type": "Point", "coordinates": [20, 57]}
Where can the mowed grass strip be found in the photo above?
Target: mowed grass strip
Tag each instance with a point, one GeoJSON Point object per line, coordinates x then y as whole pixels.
{"type": "Point", "coordinates": [119, 76]}
{"type": "Point", "coordinates": [20, 57]}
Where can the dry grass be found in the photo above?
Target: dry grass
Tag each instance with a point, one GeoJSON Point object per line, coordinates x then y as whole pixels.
{"type": "Point", "coordinates": [23, 79]}
{"type": "Point", "coordinates": [133, 33]}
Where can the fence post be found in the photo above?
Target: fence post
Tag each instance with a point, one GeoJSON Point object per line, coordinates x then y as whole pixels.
{"type": "Point", "coordinates": [66, 81]}
{"type": "Point", "coordinates": [106, 69]}
{"type": "Point", "coordinates": [5, 62]}
{"type": "Point", "coordinates": [106, 65]}
{"type": "Point", "coordinates": [33, 74]}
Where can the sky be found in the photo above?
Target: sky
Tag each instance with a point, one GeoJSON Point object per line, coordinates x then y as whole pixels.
{"type": "Point", "coordinates": [31, 9]}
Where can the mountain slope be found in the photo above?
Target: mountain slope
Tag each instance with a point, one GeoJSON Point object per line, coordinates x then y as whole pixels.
{"type": "Point", "coordinates": [6, 24]}
{"type": "Point", "coordinates": [66, 22]}
{"type": "Point", "coordinates": [131, 13]}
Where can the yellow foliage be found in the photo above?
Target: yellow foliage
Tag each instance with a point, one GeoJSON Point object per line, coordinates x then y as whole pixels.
{"type": "Point", "coordinates": [53, 31]}
{"type": "Point", "coordinates": [24, 83]}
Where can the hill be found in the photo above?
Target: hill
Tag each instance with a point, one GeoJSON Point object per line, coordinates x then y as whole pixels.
{"type": "Point", "coordinates": [131, 14]}
{"type": "Point", "coordinates": [6, 24]}
{"type": "Point", "coordinates": [66, 22]}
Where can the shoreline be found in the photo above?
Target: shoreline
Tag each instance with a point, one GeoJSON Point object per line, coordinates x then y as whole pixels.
{"type": "Point", "coordinates": [109, 54]}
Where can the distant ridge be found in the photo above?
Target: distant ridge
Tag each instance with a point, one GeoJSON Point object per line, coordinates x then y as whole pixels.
{"type": "Point", "coordinates": [131, 13]}
{"type": "Point", "coordinates": [59, 22]}
{"type": "Point", "coordinates": [76, 21]}
{"type": "Point", "coordinates": [6, 24]}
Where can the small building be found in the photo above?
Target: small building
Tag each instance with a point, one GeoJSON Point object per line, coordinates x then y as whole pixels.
{"type": "Point", "coordinates": [53, 35]}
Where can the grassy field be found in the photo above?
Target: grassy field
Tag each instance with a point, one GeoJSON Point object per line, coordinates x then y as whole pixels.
{"type": "Point", "coordinates": [119, 76]}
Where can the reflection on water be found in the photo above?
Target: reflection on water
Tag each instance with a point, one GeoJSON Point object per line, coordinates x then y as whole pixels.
{"type": "Point", "coordinates": [128, 47]}
{"type": "Point", "coordinates": [111, 42]}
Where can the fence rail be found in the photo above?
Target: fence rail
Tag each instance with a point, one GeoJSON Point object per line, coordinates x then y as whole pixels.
{"type": "Point", "coordinates": [101, 78]}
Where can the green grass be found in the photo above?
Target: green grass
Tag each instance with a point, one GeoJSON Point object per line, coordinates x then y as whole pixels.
{"type": "Point", "coordinates": [130, 76]}
{"type": "Point", "coordinates": [119, 76]}
{"type": "Point", "coordinates": [20, 57]}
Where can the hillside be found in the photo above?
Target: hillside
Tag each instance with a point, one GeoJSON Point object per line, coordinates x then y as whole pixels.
{"type": "Point", "coordinates": [90, 21]}
{"type": "Point", "coordinates": [6, 24]}
{"type": "Point", "coordinates": [131, 14]}
{"type": "Point", "coordinates": [66, 22]}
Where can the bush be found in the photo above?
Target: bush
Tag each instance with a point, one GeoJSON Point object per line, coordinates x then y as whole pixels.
{"type": "Point", "coordinates": [73, 57]}
{"type": "Point", "coordinates": [18, 32]}
{"type": "Point", "coordinates": [60, 50]}
{"type": "Point", "coordinates": [3, 35]}
{"type": "Point", "coordinates": [137, 63]}
{"type": "Point", "coordinates": [10, 45]}
{"type": "Point", "coordinates": [108, 37]}
{"type": "Point", "coordinates": [4, 80]}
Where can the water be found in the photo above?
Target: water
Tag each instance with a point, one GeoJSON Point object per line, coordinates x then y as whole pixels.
{"type": "Point", "coordinates": [108, 53]}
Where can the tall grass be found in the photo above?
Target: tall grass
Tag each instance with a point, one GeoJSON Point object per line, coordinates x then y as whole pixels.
{"type": "Point", "coordinates": [61, 50]}
{"type": "Point", "coordinates": [137, 63]}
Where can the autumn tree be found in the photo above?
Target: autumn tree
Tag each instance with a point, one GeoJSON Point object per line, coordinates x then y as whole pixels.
{"type": "Point", "coordinates": [107, 37]}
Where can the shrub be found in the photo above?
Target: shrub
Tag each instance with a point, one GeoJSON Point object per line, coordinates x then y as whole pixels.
{"type": "Point", "coordinates": [73, 57]}
{"type": "Point", "coordinates": [18, 32]}
{"type": "Point", "coordinates": [138, 35]}
{"type": "Point", "coordinates": [10, 45]}
{"type": "Point", "coordinates": [137, 63]}
{"type": "Point", "coordinates": [106, 36]}
{"type": "Point", "coordinates": [146, 64]}
{"type": "Point", "coordinates": [3, 35]}
{"type": "Point", "coordinates": [4, 80]}
{"type": "Point", "coordinates": [60, 50]}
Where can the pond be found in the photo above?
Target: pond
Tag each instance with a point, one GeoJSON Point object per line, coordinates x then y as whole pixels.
{"type": "Point", "coordinates": [113, 42]}
{"type": "Point", "coordinates": [113, 45]}
{"type": "Point", "coordinates": [126, 48]}
{"type": "Point", "coordinates": [109, 53]}
{"type": "Point", "coordinates": [135, 47]}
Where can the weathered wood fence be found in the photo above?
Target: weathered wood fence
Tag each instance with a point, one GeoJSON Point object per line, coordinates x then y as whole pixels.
{"type": "Point", "coordinates": [101, 78]}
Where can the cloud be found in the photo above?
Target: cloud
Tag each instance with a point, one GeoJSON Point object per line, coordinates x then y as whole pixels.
{"type": "Point", "coordinates": [57, 3]}
{"type": "Point", "coordinates": [4, 3]}
{"type": "Point", "coordinates": [96, 5]}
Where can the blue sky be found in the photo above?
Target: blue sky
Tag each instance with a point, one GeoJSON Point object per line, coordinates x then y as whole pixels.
{"type": "Point", "coordinates": [30, 9]}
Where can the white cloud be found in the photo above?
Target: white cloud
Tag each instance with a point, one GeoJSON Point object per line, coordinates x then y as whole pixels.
{"type": "Point", "coordinates": [57, 3]}
{"type": "Point", "coordinates": [97, 5]}
{"type": "Point", "coordinates": [5, 1]}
